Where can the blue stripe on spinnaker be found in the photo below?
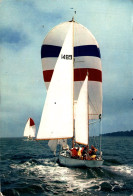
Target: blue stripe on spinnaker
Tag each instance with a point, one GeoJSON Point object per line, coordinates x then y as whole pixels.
{"type": "Point", "coordinates": [86, 50]}
{"type": "Point", "coordinates": [50, 51]}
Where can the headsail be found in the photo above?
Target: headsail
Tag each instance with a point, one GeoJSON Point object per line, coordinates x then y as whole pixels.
{"type": "Point", "coordinates": [53, 144]}
{"type": "Point", "coordinates": [81, 115]}
{"type": "Point", "coordinates": [57, 117]}
{"type": "Point", "coordinates": [30, 128]}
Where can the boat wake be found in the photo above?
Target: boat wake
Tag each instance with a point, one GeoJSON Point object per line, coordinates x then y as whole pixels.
{"type": "Point", "coordinates": [50, 176]}
{"type": "Point", "coordinates": [125, 170]}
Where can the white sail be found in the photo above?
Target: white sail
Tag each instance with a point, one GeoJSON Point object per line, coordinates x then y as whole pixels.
{"type": "Point", "coordinates": [26, 130]}
{"type": "Point", "coordinates": [63, 143]}
{"type": "Point", "coordinates": [30, 128]}
{"type": "Point", "coordinates": [57, 117]}
{"type": "Point", "coordinates": [53, 144]}
{"type": "Point", "coordinates": [81, 115]}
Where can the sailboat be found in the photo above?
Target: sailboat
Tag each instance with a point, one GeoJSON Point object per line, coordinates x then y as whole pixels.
{"type": "Point", "coordinates": [30, 129]}
{"type": "Point", "coordinates": [67, 111]}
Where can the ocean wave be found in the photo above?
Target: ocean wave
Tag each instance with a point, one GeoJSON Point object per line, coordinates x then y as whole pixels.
{"type": "Point", "coordinates": [125, 170]}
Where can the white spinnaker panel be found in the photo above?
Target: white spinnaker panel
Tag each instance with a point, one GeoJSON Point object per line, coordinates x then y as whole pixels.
{"type": "Point", "coordinates": [95, 97]}
{"type": "Point", "coordinates": [85, 60]}
{"type": "Point", "coordinates": [57, 117]}
{"type": "Point", "coordinates": [81, 117]}
{"type": "Point", "coordinates": [53, 37]}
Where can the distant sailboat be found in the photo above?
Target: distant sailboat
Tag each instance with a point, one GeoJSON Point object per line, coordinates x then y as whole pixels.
{"type": "Point", "coordinates": [66, 115]}
{"type": "Point", "coordinates": [30, 129]}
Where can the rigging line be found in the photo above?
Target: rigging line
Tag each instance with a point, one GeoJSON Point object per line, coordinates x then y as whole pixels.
{"type": "Point", "coordinates": [93, 122]}
{"type": "Point", "coordinates": [39, 143]}
{"type": "Point", "coordinates": [91, 103]}
{"type": "Point", "coordinates": [95, 139]}
{"type": "Point", "coordinates": [95, 142]}
{"type": "Point", "coordinates": [100, 135]}
{"type": "Point", "coordinates": [45, 149]}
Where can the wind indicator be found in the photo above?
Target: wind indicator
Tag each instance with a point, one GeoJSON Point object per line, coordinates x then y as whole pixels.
{"type": "Point", "coordinates": [74, 12]}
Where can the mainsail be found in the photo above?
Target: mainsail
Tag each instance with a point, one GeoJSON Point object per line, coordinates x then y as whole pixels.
{"type": "Point", "coordinates": [57, 116]}
{"type": "Point", "coordinates": [30, 128]}
{"type": "Point", "coordinates": [81, 115]}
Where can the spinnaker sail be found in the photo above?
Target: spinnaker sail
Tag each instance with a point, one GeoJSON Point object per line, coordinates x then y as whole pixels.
{"type": "Point", "coordinates": [87, 58]}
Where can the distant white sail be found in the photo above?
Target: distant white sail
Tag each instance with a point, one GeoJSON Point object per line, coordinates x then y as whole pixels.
{"type": "Point", "coordinates": [81, 115]}
{"type": "Point", "coordinates": [30, 128]}
{"type": "Point", "coordinates": [57, 116]}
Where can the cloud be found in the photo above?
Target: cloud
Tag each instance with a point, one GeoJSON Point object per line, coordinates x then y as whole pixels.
{"type": "Point", "coordinates": [13, 39]}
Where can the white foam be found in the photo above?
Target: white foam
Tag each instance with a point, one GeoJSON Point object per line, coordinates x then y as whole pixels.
{"type": "Point", "coordinates": [52, 172]}
{"type": "Point", "coordinates": [121, 169]}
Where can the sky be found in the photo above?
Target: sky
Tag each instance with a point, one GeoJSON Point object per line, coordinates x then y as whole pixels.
{"type": "Point", "coordinates": [23, 27]}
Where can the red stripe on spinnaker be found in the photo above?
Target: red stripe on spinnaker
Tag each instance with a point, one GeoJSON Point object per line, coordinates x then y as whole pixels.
{"type": "Point", "coordinates": [79, 74]}
{"type": "Point", "coordinates": [32, 122]}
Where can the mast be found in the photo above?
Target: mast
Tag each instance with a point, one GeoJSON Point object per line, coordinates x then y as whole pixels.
{"type": "Point", "coordinates": [88, 107]}
{"type": "Point", "coordinates": [73, 81]}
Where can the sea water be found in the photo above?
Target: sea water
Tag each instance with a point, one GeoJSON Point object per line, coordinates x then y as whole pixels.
{"type": "Point", "coordinates": [30, 168]}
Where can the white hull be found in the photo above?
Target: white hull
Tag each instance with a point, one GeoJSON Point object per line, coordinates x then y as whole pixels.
{"type": "Point", "coordinates": [71, 162]}
{"type": "Point", "coordinates": [30, 138]}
